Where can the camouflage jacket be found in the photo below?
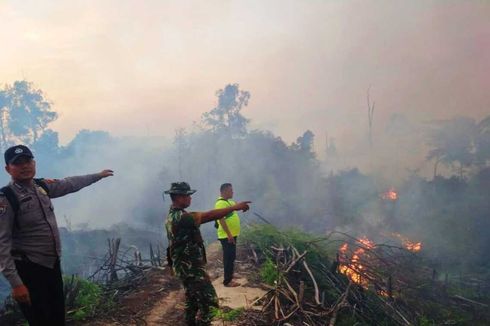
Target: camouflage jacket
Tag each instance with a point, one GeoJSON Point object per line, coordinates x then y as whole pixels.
{"type": "Point", "coordinates": [186, 248]}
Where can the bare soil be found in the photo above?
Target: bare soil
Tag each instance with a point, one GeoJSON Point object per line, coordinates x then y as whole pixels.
{"type": "Point", "coordinates": [160, 299]}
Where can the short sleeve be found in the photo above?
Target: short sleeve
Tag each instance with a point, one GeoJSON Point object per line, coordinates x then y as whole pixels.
{"type": "Point", "coordinates": [191, 219]}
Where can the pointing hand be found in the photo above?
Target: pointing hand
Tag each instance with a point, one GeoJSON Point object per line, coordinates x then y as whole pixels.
{"type": "Point", "coordinates": [243, 206]}
{"type": "Point", "coordinates": [106, 173]}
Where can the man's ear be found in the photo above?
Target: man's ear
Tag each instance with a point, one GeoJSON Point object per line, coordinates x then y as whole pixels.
{"type": "Point", "coordinates": [7, 169]}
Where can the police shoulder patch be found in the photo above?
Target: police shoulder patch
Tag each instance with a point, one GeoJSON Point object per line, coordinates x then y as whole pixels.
{"type": "Point", "coordinates": [41, 190]}
{"type": "Point", "coordinates": [3, 209]}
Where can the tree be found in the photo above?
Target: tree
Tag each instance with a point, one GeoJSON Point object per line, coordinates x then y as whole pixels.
{"type": "Point", "coordinates": [48, 143]}
{"type": "Point", "coordinates": [24, 113]}
{"type": "Point", "coordinates": [226, 115]}
{"type": "Point", "coordinates": [304, 143]}
{"type": "Point", "coordinates": [453, 141]}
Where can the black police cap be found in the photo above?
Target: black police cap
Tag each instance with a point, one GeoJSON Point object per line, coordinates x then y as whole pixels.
{"type": "Point", "coordinates": [15, 152]}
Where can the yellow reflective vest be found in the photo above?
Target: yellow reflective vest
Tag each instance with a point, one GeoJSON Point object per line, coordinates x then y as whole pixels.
{"type": "Point", "coordinates": [232, 220]}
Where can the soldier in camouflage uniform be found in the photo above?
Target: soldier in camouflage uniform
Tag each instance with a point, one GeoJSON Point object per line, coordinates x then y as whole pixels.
{"type": "Point", "coordinates": [186, 252]}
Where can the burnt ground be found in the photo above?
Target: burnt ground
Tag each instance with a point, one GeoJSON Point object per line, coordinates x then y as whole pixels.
{"type": "Point", "coordinates": [135, 308]}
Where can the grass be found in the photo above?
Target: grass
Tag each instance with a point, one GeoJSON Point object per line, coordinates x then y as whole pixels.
{"type": "Point", "coordinates": [88, 298]}
{"type": "Point", "coordinates": [269, 273]}
{"type": "Point", "coordinates": [263, 236]}
{"type": "Point", "coordinates": [228, 315]}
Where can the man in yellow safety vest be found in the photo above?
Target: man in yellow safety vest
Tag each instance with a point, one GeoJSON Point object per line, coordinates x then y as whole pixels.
{"type": "Point", "coordinates": [228, 231]}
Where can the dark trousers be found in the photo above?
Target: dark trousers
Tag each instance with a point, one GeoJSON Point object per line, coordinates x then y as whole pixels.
{"type": "Point", "coordinates": [229, 255]}
{"type": "Point", "coordinates": [45, 287]}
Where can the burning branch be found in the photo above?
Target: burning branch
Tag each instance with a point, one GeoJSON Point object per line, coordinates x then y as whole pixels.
{"type": "Point", "coordinates": [377, 283]}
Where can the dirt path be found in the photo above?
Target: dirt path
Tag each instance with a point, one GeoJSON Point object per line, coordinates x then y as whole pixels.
{"type": "Point", "coordinates": [160, 301]}
{"type": "Point", "coordinates": [239, 297]}
{"type": "Point", "coordinates": [169, 310]}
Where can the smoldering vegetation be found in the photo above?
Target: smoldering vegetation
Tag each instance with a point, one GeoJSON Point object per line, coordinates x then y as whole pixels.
{"type": "Point", "coordinates": [290, 184]}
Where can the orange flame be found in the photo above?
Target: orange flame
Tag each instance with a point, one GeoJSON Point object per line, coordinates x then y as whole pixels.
{"type": "Point", "coordinates": [353, 268]}
{"type": "Point", "coordinates": [409, 245]}
{"type": "Point", "coordinates": [391, 194]}
{"type": "Point", "coordinates": [354, 264]}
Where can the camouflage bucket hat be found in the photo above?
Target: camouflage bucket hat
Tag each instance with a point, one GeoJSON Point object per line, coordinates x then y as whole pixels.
{"type": "Point", "coordinates": [180, 188]}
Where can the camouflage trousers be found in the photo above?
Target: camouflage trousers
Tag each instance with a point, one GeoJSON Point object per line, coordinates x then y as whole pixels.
{"type": "Point", "coordinates": [200, 295]}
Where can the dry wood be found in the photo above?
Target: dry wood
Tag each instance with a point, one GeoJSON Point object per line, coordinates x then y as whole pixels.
{"type": "Point", "coordinates": [340, 305]}
{"type": "Point", "coordinates": [469, 300]}
{"type": "Point", "coordinates": [315, 285]}
{"type": "Point", "coordinates": [301, 291]}
{"type": "Point", "coordinates": [296, 260]}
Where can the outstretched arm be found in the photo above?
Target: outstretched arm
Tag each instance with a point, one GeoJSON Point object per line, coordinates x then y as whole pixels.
{"type": "Point", "coordinates": [61, 187]}
{"type": "Point", "coordinates": [216, 214]}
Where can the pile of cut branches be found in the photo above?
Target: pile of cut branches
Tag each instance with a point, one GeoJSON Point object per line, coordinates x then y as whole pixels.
{"type": "Point", "coordinates": [118, 265]}
{"type": "Point", "coordinates": [341, 280]}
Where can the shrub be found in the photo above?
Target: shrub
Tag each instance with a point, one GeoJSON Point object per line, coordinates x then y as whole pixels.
{"type": "Point", "coordinates": [82, 297]}
{"type": "Point", "coordinates": [269, 273]}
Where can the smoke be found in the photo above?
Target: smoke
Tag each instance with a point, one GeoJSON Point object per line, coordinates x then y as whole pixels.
{"type": "Point", "coordinates": [301, 151]}
{"type": "Point", "coordinates": [144, 69]}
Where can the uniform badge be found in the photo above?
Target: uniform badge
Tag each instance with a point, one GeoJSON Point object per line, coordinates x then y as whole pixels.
{"type": "Point", "coordinates": [3, 209]}
{"type": "Point", "coordinates": [41, 190]}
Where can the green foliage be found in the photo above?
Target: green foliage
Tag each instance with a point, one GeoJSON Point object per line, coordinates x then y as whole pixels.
{"type": "Point", "coordinates": [227, 315]}
{"type": "Point", "coordinates": [88, 297]}
{"type": "Point", "coordinates": [269, 273]}
{"type": "Point", "coordinates": [263, 236]}
{"type": "Point", "coordinates": [424, 321]}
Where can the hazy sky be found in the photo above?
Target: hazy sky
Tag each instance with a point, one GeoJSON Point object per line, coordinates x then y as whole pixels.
{"type": "Point", "coordinates": [148, 67]}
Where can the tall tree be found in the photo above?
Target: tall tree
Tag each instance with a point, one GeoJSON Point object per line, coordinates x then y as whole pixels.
{"type": "Point", "coordinates": [25, 113]}
{"type": "Point", "coordinates": [304, 143]}
{"type": "Point", "coordinates": [227, 114]}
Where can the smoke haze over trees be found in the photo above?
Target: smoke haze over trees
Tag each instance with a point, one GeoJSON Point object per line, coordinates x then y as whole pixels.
{"type": "Point", "coordinates": [288, 183]}
{"type": "Point", "coordinates": [368, 119]}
